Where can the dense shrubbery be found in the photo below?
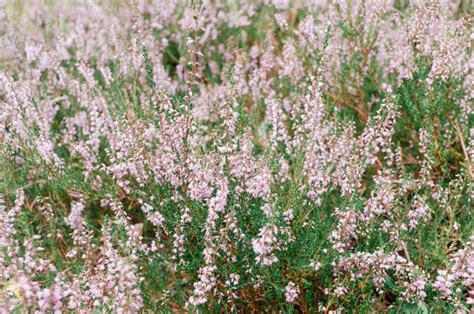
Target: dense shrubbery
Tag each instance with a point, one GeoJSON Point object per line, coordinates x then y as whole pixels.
{"type": "Point", "coordinates": [236, 156]}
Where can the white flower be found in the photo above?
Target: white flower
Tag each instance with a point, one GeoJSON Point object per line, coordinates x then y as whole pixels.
{"type": "Point", "coordinates": [291, 292]}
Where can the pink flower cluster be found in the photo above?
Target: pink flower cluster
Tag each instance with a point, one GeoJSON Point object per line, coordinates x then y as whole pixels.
{"type": "Point", "coordinates": [144, 133]}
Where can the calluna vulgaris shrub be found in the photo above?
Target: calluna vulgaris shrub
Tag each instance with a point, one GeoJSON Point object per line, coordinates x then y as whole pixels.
{"type": "Point", "coordinates": [236, 156]}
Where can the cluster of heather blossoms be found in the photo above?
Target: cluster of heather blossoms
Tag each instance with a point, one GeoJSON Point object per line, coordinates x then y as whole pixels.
{"type": "Point", "coordinates": [461, 274]}
{"type": "Point", "coordinates": [234, 156]}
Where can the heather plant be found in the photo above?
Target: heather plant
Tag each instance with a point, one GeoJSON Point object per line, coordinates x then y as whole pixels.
{"type": "Point", "coordinates": [236, 156]}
